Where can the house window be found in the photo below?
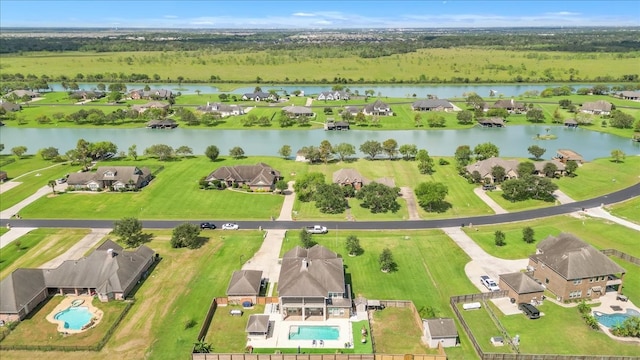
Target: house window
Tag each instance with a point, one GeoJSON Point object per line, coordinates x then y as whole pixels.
{"type": "Point", "coordinates": [577, 282]}
{"type": "Point", "coordinates": [546, 280]}
{"type": "Point", "coordinates": [592, 279]}
{"type": "Point", "coordinates": [575, 294]}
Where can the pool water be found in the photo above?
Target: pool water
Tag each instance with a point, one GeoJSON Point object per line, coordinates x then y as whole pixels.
{"type": "Point", "coordinates": [303, 332]}
{"type": "Point", "coordinates": [611, 320]}
{"type": "Point", "coordinates": [74, 317]}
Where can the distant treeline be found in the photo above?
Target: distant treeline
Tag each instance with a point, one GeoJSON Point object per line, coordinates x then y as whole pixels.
{"type": "Point", "coordinates": [361, 44]}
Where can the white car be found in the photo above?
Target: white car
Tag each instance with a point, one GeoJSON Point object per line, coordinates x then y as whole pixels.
{"type": "Point", "coordinates": [489, 283]}
{"type": "Point", "coordinates": [230, 226]}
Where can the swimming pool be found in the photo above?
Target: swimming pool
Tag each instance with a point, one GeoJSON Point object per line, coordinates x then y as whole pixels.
{"type": "Point", "coordinates": [74, 317]}
{"type": "Point", "coordinates": [304, 332]}
{"type": "Point", "coordinates": [611, 320]}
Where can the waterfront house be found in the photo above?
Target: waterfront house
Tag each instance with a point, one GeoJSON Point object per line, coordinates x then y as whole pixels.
{"type": "Point", "coordinates": [485, 169]}
{"type": "Point", "coordinates": [333, 95]}
{"type": "Point", "coordinates": [564, 155]}
{"type": "Point", "coordinates": [223, 109]}
{"type": "Point", "coordinates": [377, 108]}
{"type": "Point", "coordinates": [111, 177]}
{"type": "Point", "coordinates": [258, 177]}
{"type": "Point", "coordinates": [158, 94]}
{"type": "Point", "coordinates": [259, 96]}
{"type": "Point", "coordinates": [349, 177]}
{"type": "Point", "coordinates": [432, 105]}
{"type": "Point", "coordinates": [599, 107]}
{"type": "Point", "coordinates": [511, 106]}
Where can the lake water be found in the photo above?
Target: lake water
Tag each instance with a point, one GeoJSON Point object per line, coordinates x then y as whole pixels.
{"type": "Point", "coordinates": [421, 91]}
{"type": "Point", "coordinates": [511, 140]}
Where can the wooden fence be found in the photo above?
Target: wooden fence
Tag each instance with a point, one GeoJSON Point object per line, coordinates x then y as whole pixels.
{"type": "Point", "coordinates": [316, 357]}
{"type": "Point", "coordinates": [621, 255]}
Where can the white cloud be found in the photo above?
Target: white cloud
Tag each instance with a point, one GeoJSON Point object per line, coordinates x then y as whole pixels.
{"type": "Point", "coordinates": [562, 13]}
{"type": "Point", "coordinates": [303, 14]}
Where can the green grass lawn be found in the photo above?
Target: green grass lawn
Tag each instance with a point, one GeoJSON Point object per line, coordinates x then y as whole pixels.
{"type": "Point", "coordinates": [38, 247]}
{"type": "Point", "coordinates": [511, 206]}
{"type": "Point", "coordinates": [629, 210]}
{"type": "Point", "coordinates": [396, 332]}
{"type": "Point", "coordinates": [483, 329]}
{"type": "Point", "coordinates": [24, 165]}
{"type": "Point", "coordinates": [226, 333]}
{"type": "Point", "coordinates": [599, 233]}
{"type": "Point", "coordinates": [600, 177]}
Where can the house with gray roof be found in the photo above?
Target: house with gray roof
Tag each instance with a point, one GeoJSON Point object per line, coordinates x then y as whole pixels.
{"type": "Point", "coordinates": [223, 109]}
{"type": "Point", "coordinates": [333, 95]}
{"type": "Point", "coordinates": [297, 111]}
{"type": "Point", "coordinates": [258, 177]}
{"type": "Point", "coordinates": [440, 332]}
{"type": "Point", "coordinates": [22, 93]}
{"type": "Point", "coordinates": [564, 155]}
{"type": "Point", "coordinates": [258, 326]}
{"type": "Point", "coordinates": [111, 177]}
{"type": "Point", "coordinates": [432, 105]}
{"type": "Point", "coordinates": [485, 168]}
{"type": "Point", "coordinates": [9, 106]}
{"type": "Point", "coordinates": [377, 108]}
{"type": "Point", "coordinates": [600, 107]}
{"type": "Point", "coordinates": [157, 94]}
{"type": "Point", "coordinates": [539, 167]}
{"type": "Point", "coordinates": [572, 269]}
{"type": "Point", "coordinates": [259, 96]}
{"type": "Point", "coordinates": [630, 95]}
{"type": "Point", "coordinates": [511, 106]}
{"type": "Point", "coordinates": [140, 108]}
{"type": "Point", "coordinates": [521, 286]}
{"type": "Point", "coordinates": [491, 122]}
{"type": "Point", "coordinates": [3, 175]}
{"type": "Point", "coordinates": [244, 286]}
{"type": "Point", "coordinates": [349, 177]}
{"type": "Point", "coordinates": [109, 272]}
{"type": "Point", "coordinates": [311, 286]}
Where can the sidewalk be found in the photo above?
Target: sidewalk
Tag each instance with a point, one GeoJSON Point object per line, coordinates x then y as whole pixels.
{"type": "Point", "coordinates": [13, 234]}
{"type": "Point", "coordinates": [79, 249]}
{"type": "Point", "coordinates": [489, 201]}
{"type": "Point", "coordinates": [599, 212]}
{"type": "Point", "coordinates": [287, 205]}
{"type": "Point", "coordinates": [562, 197]}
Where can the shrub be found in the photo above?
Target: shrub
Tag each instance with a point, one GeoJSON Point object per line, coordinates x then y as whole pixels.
{"type": "Point", "coordinates": [443, 162]}
{"type": "Point", "coordinates": [189, 324]}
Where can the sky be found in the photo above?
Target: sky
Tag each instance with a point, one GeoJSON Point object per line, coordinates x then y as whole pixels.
{"type": "Point", "coordinates": [317, 14]}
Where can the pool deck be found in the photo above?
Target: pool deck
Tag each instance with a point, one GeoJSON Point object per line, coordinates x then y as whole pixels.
{"type": "Point", "coordinates": [66, 303]}
{"type": "Point", "coordinates": [279, 334]}
{"type": "Point", "coordinates": [606, 303]}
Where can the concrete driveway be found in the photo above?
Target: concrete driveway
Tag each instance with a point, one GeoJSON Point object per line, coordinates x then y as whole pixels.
{"type": "Point", "coordinates": [266, 259]}
{"type": "Point", "coordinates": [410, 198]}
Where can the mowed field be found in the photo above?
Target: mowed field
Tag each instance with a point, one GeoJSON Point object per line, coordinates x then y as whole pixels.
{"type": "Point", "coordinates": [425, 65]}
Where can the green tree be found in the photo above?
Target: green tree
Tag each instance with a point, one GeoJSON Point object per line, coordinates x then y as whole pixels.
{"type": "Point", "coordinates": [161, 151]}
{"type": "Point", "coordinates": [133, 152]}
{"type": "Point", "coordinates": [281, 186]}
{"type": "Point", "coordinates": [305, 186]}
{"type": "Point", "coordinates": [114, 96]}
{"type": "Point", "coordinates": [330, 199]}
{"type": "Point", "coordinates": [353, 245]}
{"type": "Point", "coordinates": [621, 120]}
{"type": "Point", "coordinates": [463, 155]}
{"type": "Point", "coordinates": [83, 153]}
{"type": "Point", "coordinates": [184, 151]}
{"type": "Point", "coordinates": [557, 116]}
{"type": "Point", "coordinates": [474, 101]}
{"type": "Point", "coordinates": [326, 151]}
{"type": "Point", "coordinates": [387, 264]}
{"type": "Point", "coordinates": [550, 169]}
{"type": "Point", "coordinates": [186, 235]}
{"type": "Point", "coordinates": [18, 151]}
{"type": "Point", "coordinates": [618, 155]}
{"type": "Point", "coordinates": [498, 112]}
{"type": "Point", "coordinates": [536, 151]}
{"type": "Point", "coordinates": [306, 239]}
{"type": "Point", "coordinates": [202, 347]}
{"type": "Point", "coordinates": [49, 153]}
{"type": "Point", "coordinates": [436, 120]}
{"type": "Point", "coordinates": [379, 198]}
{"type": "Point", "coordinates": [498, 173]}
{"type": "Point", "coordinates": [129, 231]}
{"type": "Point", "coordinates": [431, 195]}
{"type": "Point", "coordinates": [630, 327]}
{"type": "Point", "coordinates": [52, 185]}
{"type": "Point", "coordinates": [212, 152]}
{"type": "Point", "coordinates": [408, 151]}
{"type": "Point", "coordinates": [485, 151]}
{"type": "Point", "coordinates": [525, 168]}
{"type": "Point", "coordinates": [417, 119]}
{"type": "Point", "coordinates": [390, 147]}
{"type": "Point", "coordinates": [344, 151]}
{"type": "Point", "coordinates": [528, 235]}
{"type": "Point", "coordinates": [535, 115]}
{"type": "Point", "coordinates": [371, 148]}
{"type": "Point", "coordinates": [499, 238]}
{"type": "Point", "coordinates": [465, 117]}
{"type": "Point", "coordinates": [425, 162]}
{"type": "Point", "coordinates": [570, 167]}
{"type": "Point", "coordinates": [285, 151]}
{"type": "Point", "coordinates": [236, 152]}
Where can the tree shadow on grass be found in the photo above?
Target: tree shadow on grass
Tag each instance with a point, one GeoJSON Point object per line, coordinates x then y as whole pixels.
{"type": "Point", "coordinates": [439, 207]}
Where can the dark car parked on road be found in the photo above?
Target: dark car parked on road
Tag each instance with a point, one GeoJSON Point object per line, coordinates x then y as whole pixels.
{"type": "Point", "coordinates": [207, 225]}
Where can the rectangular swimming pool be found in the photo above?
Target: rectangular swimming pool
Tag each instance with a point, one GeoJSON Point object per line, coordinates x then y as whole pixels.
{"type": "Point", "coordinates": [305, 332]}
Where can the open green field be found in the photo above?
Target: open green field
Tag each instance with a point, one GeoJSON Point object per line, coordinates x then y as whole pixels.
{"type": "Point", "coordinates": [38, 247]}
{"type": "Point", "coordinates": [600, 177]}
{"type": "Point", "coordinates": [629, 210]}
{"type": "Point", "coordinates": [475, 64]}
{"type": "Point", "coordinates": [396, 331]}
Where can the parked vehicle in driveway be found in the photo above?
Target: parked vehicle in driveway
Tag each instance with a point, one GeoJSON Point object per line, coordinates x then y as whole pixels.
{"type": "Point", "coordinates": [230, 226]}
{"type": "Point", "coordinates": [316, 229]}
{"type": "Point", "coordinates": [489, 283]}
{"type": "Point", "coordinates": [62, 180]}
{"type": "Point", "coordinates": [529, 310]}
{"type": "Point", "coordinates": [207, 225]}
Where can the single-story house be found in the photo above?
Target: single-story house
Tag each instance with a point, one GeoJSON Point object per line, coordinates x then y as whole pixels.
{"type": "Point", "coordinates": [3, 175]}
{"type": "Point", "coordinates": [258, 326]}
{"type": "Point", "coordinates": [111, 177]}
{"type": "Point", "coordinates": [151, 94]}
{"type": "Point", "coordinates": [150, 105]}
{"type": "Point", "coordinates": [109, 272]}
{"type": "Point", "coordinates": [258, 177]}
{"type": "Point", "coordinates": [432, 105]}
{"type": "Point", "coordinates": [600, 107]}
{"type": "Point", "coordinates": [162, 124]}
{"type": "Point", "coordinates": [349, 177]}
{"type": "Point", "coordinates": [378, 108]}
{"type": "Point", "coordinates": [491, 122]}
{"type": "Point", "coordinates": [296, 111]}
{"type": "Point", "coordinates": [9, 106]}
{"type": "Point", "coordinates": [21, 93]}
{"type": "Point", "coordinates": [352, 110]}
{"type": "Point", "coordinates": [312, 285]}
{"type": "Point", "coordinates": [87, 95]}
{"type": "Point", "coordinates": [565, 155]}
{"type": "Point", "coordinates": [244, 286]}
{"type": "Point", "coordinates": [485, 168]}
{"type": "Point", "coordinates": [259, 96]}
{"type": "Point", "coordinates": [539, 167]}
{"type": "Point", "coordinates": [440, 331]}
{"type": "Point", "coordinates": [573, 270]}
{"type": "Point", "coordinates": [630, 95]}
{"type": "Point", "coordinates": [511, 106]}
{"type": "Point", "coordinates": [521, 287]}
{"type": "Point", "coordinates": [223, 109]}
{"type": "Point", "coordinates": [333, 95]}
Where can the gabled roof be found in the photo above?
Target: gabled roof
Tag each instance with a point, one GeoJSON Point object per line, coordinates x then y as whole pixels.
{"type": "Point", "coordinates": [257, 324]}
{"type": "Point", "coordinates": [259, 174]}
{"type": "Point", "coordinates": [484, 166]}
{"type": "Point", "coordinates": [9, 106]}
{"type": "Point", "coordinates": [245, 283]}
{"type": "Point", "coordinates": [122, 174]}
{"type": "Point", "coordinates": [219, 107]}
{"type": "Point", "coordinates": [313, 272]}
{"type": "Point", "coordinates": [297, 110]}
{"type": "Point", "coordinates": [348, 176]}
{"type": "Point", "coordinates": [441, 328]}
{"type": "Point", "coordinates": [539, 165]}
{"type": "Point", "coordinates": [508, 104]}
{"type": "Point", "coordinates": [569, 154]}
{"type": "Point", "coordinates": [260, 94]}
{"type": "Point", "coordinates": [521, 283]}
{"type": "Point", "coordinates": [600, 105]}
{"type": "Point", "coordinates": [492, 120]}
{"type": "Point", "coordinates": [432, 104]}
{"type": "Point", "coordinates": [378, 105]}
{"type": "Point", "coordinates": [573, 258]}
{"type": "Point", "coordinates": [19, 288]}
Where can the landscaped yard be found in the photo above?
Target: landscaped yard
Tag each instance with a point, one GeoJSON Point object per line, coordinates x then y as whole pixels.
{"type": "Point", "coordinates": [629, 210]}
{"type": "Point", "coordinates": [395, 332]}
{"type": "Point", "coordinates": [600, 177]}
{"type": "Point", "coordinates": [226, 333]}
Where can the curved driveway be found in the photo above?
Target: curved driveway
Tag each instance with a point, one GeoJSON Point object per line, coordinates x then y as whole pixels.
{"type": "Point", "coordinates": [612, 198]}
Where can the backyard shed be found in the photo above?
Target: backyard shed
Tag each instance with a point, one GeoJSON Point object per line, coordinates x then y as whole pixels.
{"type": "Point", "coordinates": [440, 331]}
{"type": "Point", "coordinates": [258, 326]}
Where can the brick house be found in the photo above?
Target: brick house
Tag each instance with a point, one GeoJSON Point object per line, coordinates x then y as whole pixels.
{"type": "Point", "coordinates": [521, 287]}
{"type": "Point", "coordinates": [244, 286]}
{"type": "Point", "coordinates": [258, 177]}
{"type": "Point", "coordinates": [572, 269]}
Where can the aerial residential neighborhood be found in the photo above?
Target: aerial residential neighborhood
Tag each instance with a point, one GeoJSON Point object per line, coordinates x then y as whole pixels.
{"type": "Point", "coordinates": [319, 181]}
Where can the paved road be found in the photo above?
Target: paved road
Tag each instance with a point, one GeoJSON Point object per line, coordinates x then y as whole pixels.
{"type": "Point", "coordinates": [267, 224]}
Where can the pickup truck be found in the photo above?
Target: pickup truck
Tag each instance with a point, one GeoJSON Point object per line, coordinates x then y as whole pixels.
{"type": "Point", "coordinates": [316, 229]}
